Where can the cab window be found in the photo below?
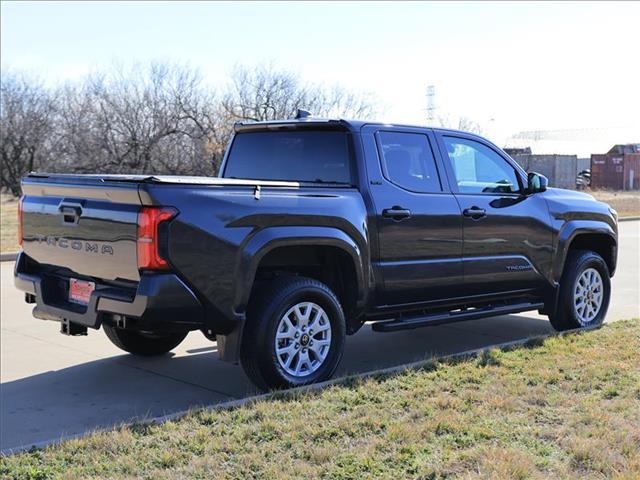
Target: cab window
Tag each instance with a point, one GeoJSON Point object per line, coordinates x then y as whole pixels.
{"type": "Point", "coordinates": [408, 161]}
{"type": "Point", "coordinates": [321, 156]}
{"type": "Point", "coordinates": [479, 169]}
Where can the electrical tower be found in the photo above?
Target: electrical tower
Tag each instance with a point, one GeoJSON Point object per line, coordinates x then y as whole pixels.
{"type": "Point", "coordinates": [431, 104]}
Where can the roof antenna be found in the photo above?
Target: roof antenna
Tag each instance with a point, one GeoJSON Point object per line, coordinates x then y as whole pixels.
{"type": "Point", "coordinates": [300, 113]}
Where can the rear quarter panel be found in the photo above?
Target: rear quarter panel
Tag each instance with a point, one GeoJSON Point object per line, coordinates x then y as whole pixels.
{"type": "Point", "coordinates": [220, 234]}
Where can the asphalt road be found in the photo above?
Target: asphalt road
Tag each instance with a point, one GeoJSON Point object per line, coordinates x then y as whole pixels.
{"type": "Point", "coordinates": [54, 386]}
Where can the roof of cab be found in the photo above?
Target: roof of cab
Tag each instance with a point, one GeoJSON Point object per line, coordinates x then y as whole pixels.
{"type": "Point", "coordinates": [329, 123]}
{"type": "Point", "coordinates": [311, 122]}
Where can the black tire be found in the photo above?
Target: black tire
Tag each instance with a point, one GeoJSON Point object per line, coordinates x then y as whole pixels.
{"type": "Point", "coordinates": [147, 344]}
{"type": "Point", "coordinates": [258, 351]}
{"type": "Point", "coordinates": [566, 316]}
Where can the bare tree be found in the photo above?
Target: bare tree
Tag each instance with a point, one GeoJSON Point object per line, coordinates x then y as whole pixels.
{"type": "Point", "coordinates": [158, 118]}
{"type": "Point", "coordinates": [268, 93]}
{"type": "Point", "coordinates": [464, 124]}
{"type": "Point", "coordinates": [337, 101]}
{"type": "Point", "coordinates": [467, 125]}
{"type": "Point", "coordinates": [26, 118]}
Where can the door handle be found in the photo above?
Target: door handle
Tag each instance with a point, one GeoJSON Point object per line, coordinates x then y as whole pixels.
{"type": "Point", "coordinates": [474, 212]}
{"type": "Point", "coordinates": [396, 213]}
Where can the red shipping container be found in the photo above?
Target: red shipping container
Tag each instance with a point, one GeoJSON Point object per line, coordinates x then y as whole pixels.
{"type": "Point", "coordinates": [617, 170]}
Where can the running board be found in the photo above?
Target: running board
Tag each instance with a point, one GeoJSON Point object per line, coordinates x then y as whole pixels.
{"type": "Point", "coordinates": [451, 317]}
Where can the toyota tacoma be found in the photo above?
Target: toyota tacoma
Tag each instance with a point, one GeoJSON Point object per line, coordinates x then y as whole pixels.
{"type": "Point", "coordinates": [312, 228]}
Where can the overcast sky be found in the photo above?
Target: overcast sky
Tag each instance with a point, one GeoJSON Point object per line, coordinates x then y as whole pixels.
{"type": "Point", "coordinates": [508, 66]}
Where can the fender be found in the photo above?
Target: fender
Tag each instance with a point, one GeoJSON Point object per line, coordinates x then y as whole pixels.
{"type": "Point", "coordinates": [270, 238]}
{"type": "Point", "coordinates": [264, 241]}
{"type": "Point", "coordinates": [569, 231]}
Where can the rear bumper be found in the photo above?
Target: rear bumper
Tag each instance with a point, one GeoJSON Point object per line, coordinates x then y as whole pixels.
{"type": "Point", "coordinates": [160, 300]}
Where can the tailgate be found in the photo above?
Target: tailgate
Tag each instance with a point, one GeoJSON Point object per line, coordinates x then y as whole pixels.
{"type": "Point", "coordinates": [86, 224]}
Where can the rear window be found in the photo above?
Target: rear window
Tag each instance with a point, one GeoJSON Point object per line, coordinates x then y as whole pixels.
{"type": "Point", "coordinates": [301, 156]}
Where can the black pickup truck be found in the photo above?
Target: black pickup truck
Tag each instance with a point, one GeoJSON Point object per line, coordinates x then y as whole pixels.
{"type": "Point", "coordinates": [314, 227]}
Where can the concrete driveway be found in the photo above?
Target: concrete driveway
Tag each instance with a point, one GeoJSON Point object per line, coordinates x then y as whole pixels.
{"type": "Point", "coordinates": [55, 386]}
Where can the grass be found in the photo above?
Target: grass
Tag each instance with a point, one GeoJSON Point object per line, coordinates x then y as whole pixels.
{"type": "Point", "coordinates": [567, 407]}
{"type": "Point", "coordinates": [8, 223]}
{"type": "Point", "coordinates": [626, 203]}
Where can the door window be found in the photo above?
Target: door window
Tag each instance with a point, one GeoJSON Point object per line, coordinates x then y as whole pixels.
{"type": "Point", "coordinates": [408, 161]}
{"type": "Point", "coordinates": [479, 169]}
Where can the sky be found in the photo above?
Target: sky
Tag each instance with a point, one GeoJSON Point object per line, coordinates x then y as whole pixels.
{"type": "Point", "coordinates": [510, 67]}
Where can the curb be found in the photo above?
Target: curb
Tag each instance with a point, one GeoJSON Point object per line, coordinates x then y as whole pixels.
{"type": "Point", "coordinates": [11, 256]}
{"type": "Point", "coordinates": [8, 257]}
{"type": "Point", "coordinates": [285, 394]}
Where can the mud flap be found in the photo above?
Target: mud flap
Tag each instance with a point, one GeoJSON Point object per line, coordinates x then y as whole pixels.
{"type": "Point", "coordinates": [229, 345]}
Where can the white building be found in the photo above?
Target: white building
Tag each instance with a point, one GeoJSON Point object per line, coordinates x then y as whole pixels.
{"type": "Point", "coordinates": [581, 142]}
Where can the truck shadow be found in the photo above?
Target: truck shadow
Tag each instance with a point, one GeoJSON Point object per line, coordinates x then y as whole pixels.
{"type": "Point", "coordinates": [106, 392]}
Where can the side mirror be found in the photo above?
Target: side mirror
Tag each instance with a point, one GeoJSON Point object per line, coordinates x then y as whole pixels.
{"type": "Point", "coordinates": [536, 182]}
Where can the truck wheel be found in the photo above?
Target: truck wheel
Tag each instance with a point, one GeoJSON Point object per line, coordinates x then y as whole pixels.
{"type": "Point", "coordinates": [584, 293]}
{"type": "Point", "coordinates": [294, 334]}
{"type": "Point", "coordinates": [143, 343]}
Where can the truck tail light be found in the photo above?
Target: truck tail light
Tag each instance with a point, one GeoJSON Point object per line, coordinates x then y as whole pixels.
{"type": "Point", "coordinates": [20, 220]}
{"type": "Point", "coordinates": [149, 218]}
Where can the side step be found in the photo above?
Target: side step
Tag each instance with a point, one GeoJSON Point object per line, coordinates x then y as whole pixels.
{"type": "Point", "coordinates": [451, 317]}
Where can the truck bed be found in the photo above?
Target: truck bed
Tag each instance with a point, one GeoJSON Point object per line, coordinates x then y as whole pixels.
{"type": "Point", "coordinates": [86, 227]}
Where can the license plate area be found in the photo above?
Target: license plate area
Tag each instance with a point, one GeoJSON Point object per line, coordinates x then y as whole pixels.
{"type": "Point", "coordinates": [80, 291]}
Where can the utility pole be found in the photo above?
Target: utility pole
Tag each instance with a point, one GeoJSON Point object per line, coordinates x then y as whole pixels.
{"type": "Point", "coordinates": [431, 104]}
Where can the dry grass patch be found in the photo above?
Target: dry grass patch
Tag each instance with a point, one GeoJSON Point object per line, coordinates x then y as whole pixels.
{"type": "Point", "coordinates": [626, 203]}
{"type": "Point", "coordinates": [8, 223]}
{"type": "Point", "coordinates": [568, 407]}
